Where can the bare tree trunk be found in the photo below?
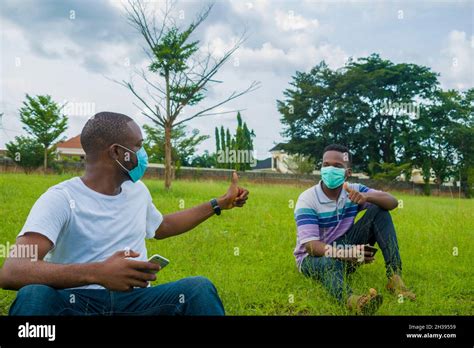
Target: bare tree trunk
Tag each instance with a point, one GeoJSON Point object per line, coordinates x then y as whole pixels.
{"type": "Point", "coordinates": [45, 164]}
{"type": "Point", "coordinates": [168, 157]}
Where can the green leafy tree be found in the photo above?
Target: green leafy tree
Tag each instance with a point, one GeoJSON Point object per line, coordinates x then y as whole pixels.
{"type": "Point", "coordinates": [391, 171]}
{"type": "Point", "coordinates": [241, 143]}
{"type": "Point", "coordinates": [43, 119]}
{"type": "Point", "coordinates": [26, 152]}
{"type": "Point", "coordinates": [230, 146]}
{"type": "Point", "coordinates": [352, 106]}
{"type": "Point", "coordinates": [205, 160]}
{"type": "Point", "coordinates": [181, 72]}
{"type": "Point", "coordinates": [438, 141]}
{"type": "Point", "coordinates": [223, 144]}
{"type": "Point", "coordinates": [184, 145]}
{"type": "Point", "coordinates": [300, 164]}
{"type": "Point", "coordinates": [426, 174]}
{"type": "Point", "coordinates": [462, 138]}
{"type": "Point", "coordinates": [218, 142]}
{"type": "Point", "coordinates": [248, 142]}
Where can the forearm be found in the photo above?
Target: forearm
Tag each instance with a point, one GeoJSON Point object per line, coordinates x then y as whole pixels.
{"type": "Point", "coordinates": [382, 199]}
{"type": "Point", "coordinates": [20, 272]}
{"type": "Point", "coordinates": [185, 220]}
{"type": "Point", "coordinates": [317, 248]}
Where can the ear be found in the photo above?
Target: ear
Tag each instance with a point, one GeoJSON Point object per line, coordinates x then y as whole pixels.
{"type": "Point", "coordinates": [113, 151]}
{"type": "Point", "coordinates": [348, 172]}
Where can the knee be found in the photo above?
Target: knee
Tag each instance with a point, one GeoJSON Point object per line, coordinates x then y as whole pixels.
{"type": "Point", "coordinates": [323, 267]}
{"type": "Point", "coordinates": [33, 299]}
{"type": "Point", "coordinates": [202, 296]}
{"type": "Point", "coordinates": [199, 284]}
{"type": "Point", "coordinates": [375, 210]}
{"type": "Point", "coordinates": [37, 292]}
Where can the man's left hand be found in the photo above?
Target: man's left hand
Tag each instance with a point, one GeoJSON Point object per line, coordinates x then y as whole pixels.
{"type": "Point", "coordinates": [355, 196]}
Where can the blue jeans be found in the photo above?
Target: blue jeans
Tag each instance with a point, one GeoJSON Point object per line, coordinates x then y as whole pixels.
{"type": "Point", "coordinates": [375, 226]}
{"type": "Point", "coordinates": [188, 296]}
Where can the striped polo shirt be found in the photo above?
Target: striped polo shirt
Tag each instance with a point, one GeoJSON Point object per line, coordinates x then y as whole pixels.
{"type": "Point", "coordinates": [320, 218]}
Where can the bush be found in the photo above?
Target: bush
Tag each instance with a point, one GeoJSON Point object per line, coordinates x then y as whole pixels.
{"type": "Point", "coordinates": [26, 152]}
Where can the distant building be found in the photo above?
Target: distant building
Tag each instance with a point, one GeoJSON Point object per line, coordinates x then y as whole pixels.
{"type": "Point", "coordinates": [417, 177]}
{"type": "Point", "coordinates": [263, 165]}
{"type": "Point", "coordinates": [279, 158]}
{"type": "Point", "coordinates": [71, 147]}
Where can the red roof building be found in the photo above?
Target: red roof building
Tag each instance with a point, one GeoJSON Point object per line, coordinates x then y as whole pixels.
{"type": "Point", "coordinates": [71, 147]}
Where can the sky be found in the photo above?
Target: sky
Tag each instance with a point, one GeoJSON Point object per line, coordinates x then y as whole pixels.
{"type": "Point", "coordinates": [73, 50]}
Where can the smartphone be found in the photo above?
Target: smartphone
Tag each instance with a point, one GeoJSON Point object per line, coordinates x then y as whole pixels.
{"type": "Point", "coordinates": [370, 248]}
{"type": "Point", "coordinates": [162, 261]}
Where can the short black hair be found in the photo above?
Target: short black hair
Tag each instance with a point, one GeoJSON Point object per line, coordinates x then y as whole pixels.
{"type": "Point", "coordinates": [339, 148]}
{"type": "Point", "coordinates": [102, 130]}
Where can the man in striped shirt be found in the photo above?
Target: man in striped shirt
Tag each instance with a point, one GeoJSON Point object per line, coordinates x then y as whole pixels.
{"type": "Point", "coordinates": [330, 246]}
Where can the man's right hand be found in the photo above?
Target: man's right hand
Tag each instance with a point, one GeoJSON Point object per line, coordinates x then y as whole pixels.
{"type": "Point", "coordinates": [118, 273]}
{"type": "Point", "coordinates": [358, 254]}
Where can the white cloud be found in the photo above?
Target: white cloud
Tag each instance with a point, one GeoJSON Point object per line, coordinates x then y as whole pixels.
{"type": "Point", "coordinates": [99, 42]}
{"type": "Point", "coordinates": [457, 61]}
{"type": "Point", "coordinates": [287, 21]}
{"type": "Point", "coordinates": [259, 7]}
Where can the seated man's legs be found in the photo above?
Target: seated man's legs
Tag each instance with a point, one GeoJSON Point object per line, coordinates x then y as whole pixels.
{"type": "Point", "coordinates": [330, 272]}
{"type": "Point", "coordinates": [43, 300]}
{"type": "Point", "coordinates": [36, 299]}
{"type": "Point", "coordinates": [376, 226]}
{"type": "Point", "coordinates": [188, 296]}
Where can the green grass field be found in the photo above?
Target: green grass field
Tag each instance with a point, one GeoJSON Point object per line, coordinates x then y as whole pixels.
{"type": "Point", "coordinates": [248, 252]}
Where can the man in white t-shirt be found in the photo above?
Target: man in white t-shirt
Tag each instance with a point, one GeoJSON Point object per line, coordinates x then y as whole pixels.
{"type": "Point", "coordinates": [90, 236]}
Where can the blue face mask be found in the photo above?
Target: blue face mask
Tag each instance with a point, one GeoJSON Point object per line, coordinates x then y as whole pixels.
{"type": "Point", "coordinates": [333, 177]}
{"type": "Point", "coordinates": [142, 164]}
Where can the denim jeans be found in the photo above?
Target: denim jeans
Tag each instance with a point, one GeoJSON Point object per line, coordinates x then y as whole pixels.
{"type": "Point", "coordinates": [188, 296]}
{"type": "Point", "coordinates": [375, 226]}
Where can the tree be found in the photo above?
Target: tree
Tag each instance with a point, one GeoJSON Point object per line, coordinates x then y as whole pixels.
{"type": "Point", "coordinates": [42, 118]}
{"type": "Point", "coordinates": [443, 114]}
{"type": "Point", "coordinates": [438, 142]}
{"type": "Point", "coordinates": [426, 174]}
{"type": "Point", "coordinates": [223, 145]}
{"type": "Point", "coordinates": [248, 142]}
{"type": "Point", "coordinates": [183, 73]}
{"type": "Point", "coordinates": [300, 164]}
{"type": "Point", "coordinates": [183, 145]}
{"type": "Point", "coordinates": [239, 141]}
{"type": "Point", "coordinates": [230, 142]}
{"type": "Point", "coordinates": [205, 160]}
{"type": "Point", "coordinates": [26, 152]}
{"type": "Point", "coordinates": [462, 138]}
{"type": "Point", "coordinates": [218, 142]}
{"type": "Point", "coordinates": [390, 171]}
{"type": "Point", "coordinates": [239, 147]}
{"type": "Point", "coordinates": [354, 106]}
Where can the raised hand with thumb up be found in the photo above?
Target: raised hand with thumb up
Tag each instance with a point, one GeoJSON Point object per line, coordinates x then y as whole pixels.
{"type": "Point", "coordinates": [355, 196]}
{"type": "Point", "coordinates": [235, 196]}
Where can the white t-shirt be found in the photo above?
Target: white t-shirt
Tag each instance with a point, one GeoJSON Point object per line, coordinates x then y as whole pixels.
{"type": "Point", "coordinates": [87, 226]}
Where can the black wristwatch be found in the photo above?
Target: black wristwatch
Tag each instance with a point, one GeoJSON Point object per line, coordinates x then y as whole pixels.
{"type": "Point", "coordinates": [215, 206]}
